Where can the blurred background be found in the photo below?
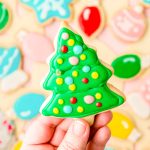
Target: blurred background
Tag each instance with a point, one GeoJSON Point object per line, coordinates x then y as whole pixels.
{"type": "Point", "coordinates": [119, 31]}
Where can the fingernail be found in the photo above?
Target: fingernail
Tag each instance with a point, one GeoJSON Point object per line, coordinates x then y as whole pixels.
{"type": "Point", "coordinates": [78, 128]}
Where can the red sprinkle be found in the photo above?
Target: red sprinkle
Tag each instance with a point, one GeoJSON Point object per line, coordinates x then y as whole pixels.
{"type": "Point", "coordinates": [10, 127]}
{"type": "Point", "coordinates": [73, 100]}
{"type": "Point", "coordinates": [64, 49]}
{"type": "Point", "coordinates": [98, 104]}
{"type": "Point", "coordinates": [85, 80]}
{"type": "Point", "coordinates": [5, 122]}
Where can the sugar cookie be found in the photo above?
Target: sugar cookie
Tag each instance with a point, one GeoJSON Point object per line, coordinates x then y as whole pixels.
{"type": "Point", "coordinates": [18, 145]}
{"type": "Point", "coordinates": [9, 83]}
{"type": "Point", "coordinates": [7, 128]}
{"type": "Point", "coordinates": [123, 127]}
{"type": "Point", "coordinates": [49, 9]}
{"type": "Point", "coordinates": [27, 106]}
{"type": "Point", "coordinates": [35, 46]}
{"type": "Point", "coordinates": [50, 30]}
{"type": "Point", "coordinates": [89, 14]}
{"type": "Point", "coordinates": [5, 16]}
{"type": "Point", "coordinates": [138, 95]}
{"type": "Point", "coordinates": [130, 65]}
{"type": "Point", "coordinates": [10, 60]}
{"type": "Point", "coordinates": [139, 106]}
{"type": "Point", "coordinates": [129, 24]}
{"type": "Point", "coordinates": [78, 80]}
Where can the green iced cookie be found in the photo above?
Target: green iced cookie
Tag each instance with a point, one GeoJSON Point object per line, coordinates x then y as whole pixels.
{"type": "Point", "coordinates": [78, 80]}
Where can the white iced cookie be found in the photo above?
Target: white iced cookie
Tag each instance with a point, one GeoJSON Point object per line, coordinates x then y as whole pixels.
{"type": "Point", "coordinates": [7, 137]}
{"type": "Point", "coordinates": [13, 81]}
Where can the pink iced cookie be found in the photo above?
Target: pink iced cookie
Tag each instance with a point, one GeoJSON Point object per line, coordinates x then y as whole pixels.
{"type": "Point", "coordinates": [35, 46]}
{"type": "Point", "coordinates": [51, 30]}
{"type": "Point", "coordinates": [133, 3]}
{"type": "Point", "coordinates": [138, 96]}
{"type": "Point", "coordinates": [147, 11]}
{"type": "Point", "coordinates": [129, 25]}
{"type": "Point", "coordinates": [145, 90]}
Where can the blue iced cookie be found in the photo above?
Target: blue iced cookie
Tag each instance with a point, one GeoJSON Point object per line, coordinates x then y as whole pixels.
{"type": "Point", "coordinates": [48, 9]}
{"type": "Point", "coordinates": [27, 106]}
{"type": "Point", "coordinates": [10, 59]}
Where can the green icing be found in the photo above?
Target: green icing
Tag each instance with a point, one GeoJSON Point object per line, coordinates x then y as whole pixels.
{"type": "Point", "coordinates": [127, 66]}
{"type": "Point", "coordinates": [109, 100]}
{"type": "Point", "coordinates": [85, 85]}
{"type": "Point", "coordinates": [80, 86]}
{"type": "Point", "coordinates": [4, 16]}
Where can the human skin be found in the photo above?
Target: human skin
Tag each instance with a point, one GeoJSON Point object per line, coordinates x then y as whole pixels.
{"type": "Point", "coordinates": [49, 133]}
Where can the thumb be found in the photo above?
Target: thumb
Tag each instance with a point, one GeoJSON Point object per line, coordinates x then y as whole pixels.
{"type": "Point", "coordinates": [76, 137]}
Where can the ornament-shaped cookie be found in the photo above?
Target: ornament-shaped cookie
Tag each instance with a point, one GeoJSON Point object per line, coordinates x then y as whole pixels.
{"type": "Point", "coordinates": [78, 80]}
{"type": "Point", "coordinates": [129, 24]}
{"type": "Point", "coordinates": [93, 12]}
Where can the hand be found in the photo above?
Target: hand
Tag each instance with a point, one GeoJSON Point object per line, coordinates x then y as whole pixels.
{"type": "Point", "coordinates": [49, 133]}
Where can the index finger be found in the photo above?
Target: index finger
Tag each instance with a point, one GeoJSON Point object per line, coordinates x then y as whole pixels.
{"type": "Point", "coordinates": [41, 130]}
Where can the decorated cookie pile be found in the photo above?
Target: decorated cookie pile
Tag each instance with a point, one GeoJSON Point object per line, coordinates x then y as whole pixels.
{"type": "Point", "coordinates": [78, 80]}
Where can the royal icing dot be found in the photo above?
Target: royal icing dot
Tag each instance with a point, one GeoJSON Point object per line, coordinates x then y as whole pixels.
{"type": "Point", "coordinates": [68, 80]}
{"type": "Point", "coordinates": [80, 109]}
{"type": "Point", "coordinates": [94, 75]}
{"type": "Point", "coordinates": [75, 73]}
{"type": "Point", "coordinates": [86, 69]}
{"type": "Point", "coordinates": [98, 95]}
{"type": "Point", "coordinates": [85, 80]}
{"type": "Point", "coordinates": [55, 110]}
{"type": "Point", "coordinates": [72, 87]}
{"type": "Point", "coordinates": [60, 101]}
{"type": "Point", "coordinates": [88, 99]}
{"type": "Point", "coordinates": [60, 61]}
{"type": "Point", "coordinates": [65, 36]}
{"type": "Point", "coordinates": [73, 100]}
{"type": "Point", "coordinates": [59, 81]}
{"type": "Point", "coordinates": [77, 49]}
{"type": "Point", "coordinates": [83, 57]}
{"type": "Point", "coordinates": [64, 49]}
{"type": "Point", "coordinates": [67, 109]}
{"type": "Point", "coordinates": [71, 42]}
{"type": "Point", "coordinates": [73, 60]}
{"type": "Point", "coordinates": [98, 104]}
{"type": "Point", "coordinates": [58, 72]}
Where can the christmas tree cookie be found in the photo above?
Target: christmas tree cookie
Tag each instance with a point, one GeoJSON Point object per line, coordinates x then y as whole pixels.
{"type": "Point", "coordinates": [78, 80]}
